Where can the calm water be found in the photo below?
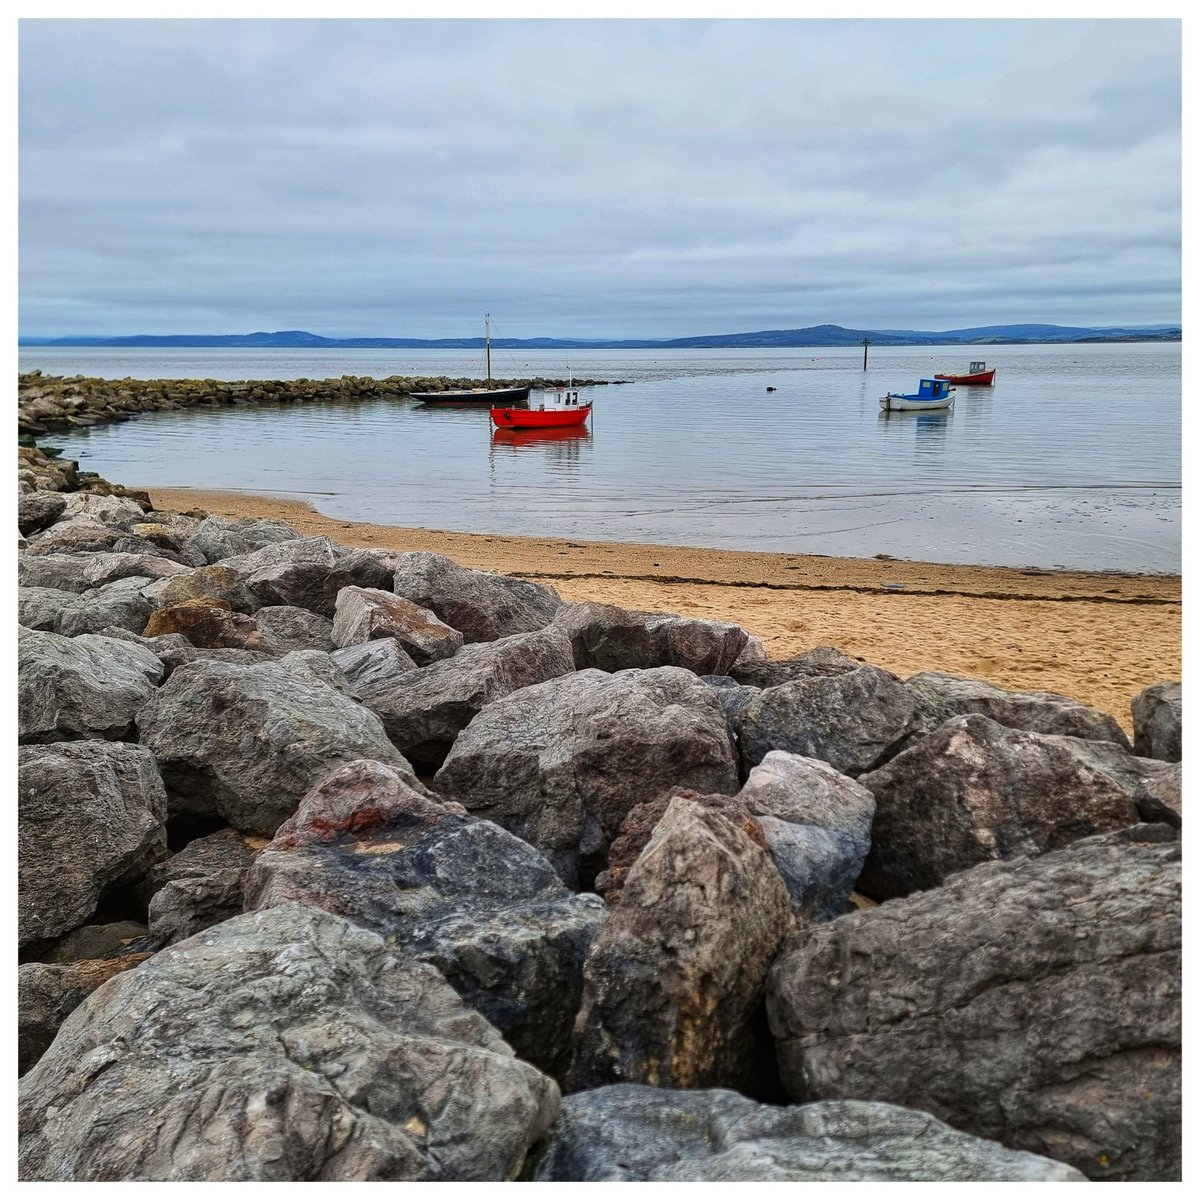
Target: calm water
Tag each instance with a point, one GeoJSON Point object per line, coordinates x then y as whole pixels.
{"type": "Point", "coordinates": [1072, 459]}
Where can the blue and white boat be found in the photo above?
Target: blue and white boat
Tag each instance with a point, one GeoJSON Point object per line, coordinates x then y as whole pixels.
{"type": "Point", "coordinates": [931, 395]}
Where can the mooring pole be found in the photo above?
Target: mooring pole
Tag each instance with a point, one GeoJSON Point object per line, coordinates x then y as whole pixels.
{"type": "Point", "coordinates": [866, 343]}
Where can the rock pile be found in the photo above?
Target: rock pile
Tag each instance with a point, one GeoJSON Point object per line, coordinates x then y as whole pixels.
{"type": "Point", "coordinates": [310, 846]}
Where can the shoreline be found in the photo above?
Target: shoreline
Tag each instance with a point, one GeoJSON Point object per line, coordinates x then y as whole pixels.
{"type": "Point", "coordinates": [1099, 637]}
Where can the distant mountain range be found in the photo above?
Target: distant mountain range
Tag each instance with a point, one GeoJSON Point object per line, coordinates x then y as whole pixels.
{"type": "Point", "coordinates": [814, 336]}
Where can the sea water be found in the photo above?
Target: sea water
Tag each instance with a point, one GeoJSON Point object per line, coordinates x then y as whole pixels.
{"type": "Point", "coordinates": [1072, 459]}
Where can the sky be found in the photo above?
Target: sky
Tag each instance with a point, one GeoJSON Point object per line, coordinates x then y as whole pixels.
{"type": "Point", "coordinates": [600, 178]}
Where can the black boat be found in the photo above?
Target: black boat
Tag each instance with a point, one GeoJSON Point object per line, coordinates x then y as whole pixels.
{"type": "Point", "coordinates": [503, 397]}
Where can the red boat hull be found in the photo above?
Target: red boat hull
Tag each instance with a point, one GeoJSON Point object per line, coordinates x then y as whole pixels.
{"type": "Point", "coordinates": [532, 418]}
{"type": "Point", "coordinates": [985, 377]}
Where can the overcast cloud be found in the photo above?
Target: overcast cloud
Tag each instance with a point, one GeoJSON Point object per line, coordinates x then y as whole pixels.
{"type": "Point", "coordinates": [596, 178]}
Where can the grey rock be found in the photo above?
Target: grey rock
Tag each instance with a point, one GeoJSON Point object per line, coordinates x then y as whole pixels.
{"type": "Point", "coordinates": [674, 977]}
{"type": "Point", "coordinates": [1159, 797]}
{"type": "Point", "coordinates": [853, 719]}
{"type": "Point", "coordinates": [90, 816]}
{"type": "Point", "coordinates": [365, 614]}
{"type": "Point", "coordinates": [285, 628]}
{"type": "Point", "coordinates": [372, 666]}
{"type": "Point", "coordinates": [560, 764]}
{"type": "Point", "coordinates": [171, 649]}
{"type": "Point", "coordinates": [217, 582]}
{"type": "Point", "coordinates": [1034, 1001]}
{"type": "Point", "coordinates": [87, 686]}
{"type": "Point", "coordinates": [91, 942]}
{"type": "Point", "coordinates": [454, 891]}
{"type": "Point", "coordinates": [771, 672]}
{"type": "Point", "coordinates": [976, 790]}
{"type": "Point", "coordinates": [307, 573]}
{"type": "Point", "coordinates": [38, 510]}
{"type": "Point", "coordinates": [75, 535]}
{"type": "Point", "coordinates": [426, 710]}
{"type": "Point", "coordinates": [1037, 712]}
{"type": "Point", "coordinates": [482, 606]}
{"type": "Point", "coordinates": [1158, 722]}
{"type": "Point", "coordinates": [41, 607]}
{"type": "Point", "coordinates": [610, 638]}
{"type": "Point", "coordinates": [218, 538]}
{"type": "Point", "coordinates": [246, 742]}
{"type": "Point", "coordinates": [281, 1045]}
{"type": "Point", "coordinates": [119, 604]}
{"type": "Point", "coordinates": [319, 666]}
{"type": "Point", "coordinates": [118, 511]}
{"type": "Point", "coordinates": [79, 572]}
{"type": "Point", "coordinates": [635, 1133]}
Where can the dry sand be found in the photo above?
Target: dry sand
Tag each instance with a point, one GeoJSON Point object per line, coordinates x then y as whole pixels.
{"type": "Point", "coordinates": [1098, 637]}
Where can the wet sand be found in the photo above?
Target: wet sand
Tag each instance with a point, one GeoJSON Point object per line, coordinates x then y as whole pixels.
{"type": "Point", "coordinates": [1097, 636]}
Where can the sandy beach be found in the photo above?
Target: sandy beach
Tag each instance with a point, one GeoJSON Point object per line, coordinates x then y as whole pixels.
{"type": "Point", "coordinates": [1098, 637]}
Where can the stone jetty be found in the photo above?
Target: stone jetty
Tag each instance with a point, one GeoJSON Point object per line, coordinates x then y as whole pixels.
{"type": "Point", "coordinates": [49, 402]}
{"type": "Point", "coordinates": [342, 864]}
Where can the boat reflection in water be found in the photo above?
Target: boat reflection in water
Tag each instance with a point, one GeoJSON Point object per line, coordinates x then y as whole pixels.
{"type": "Point", "coordinates": [567, 438]}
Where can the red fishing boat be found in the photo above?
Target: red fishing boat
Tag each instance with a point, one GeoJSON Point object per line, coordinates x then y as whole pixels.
{"type": "Point", "coordinates": [978, 372]}
{"type": "Point", "coordinates": [556, 410]}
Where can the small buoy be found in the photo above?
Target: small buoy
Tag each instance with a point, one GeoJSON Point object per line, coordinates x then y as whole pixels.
{"type": "Point", "coordinates": [772, 389]}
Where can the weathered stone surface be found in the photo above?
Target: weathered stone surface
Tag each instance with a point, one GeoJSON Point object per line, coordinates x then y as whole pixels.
{"type": "Point", "coordinates": [201, 886]}
{"type": "Point", "coordinates": [246, 742]}
{"type": "Point", "coordinates": [319, 666]}
{"type": "Point", "coordinates": [562, 763]}
{"type": "Point", "coordinates": [771, 672]}
{"type": "Point", "coordinates": [47, 994]}
{"type": "Point", "coordinates": [119, 604]}
{"type": "Point", "coordinates": [118, 511]}
{"type": "Point", "coordinates": [1158, 722]}
{"type": "Point", "coordinates": [610, 638]}
{"type": "Point", "coordinates": [217, 582]}
{"type": "Point", "coordinates": [307, 573]}
{"type": "Point", "coordinates": [853, 719]}
{"type": "Point", "coordinates": [41, 607]}
{"type": "Point", "coordinates": [74, 535]}
{"type": "Point", "coordinates": [98, 569]}
{"type": "Point", "coordinates": [87, 686]}
{"type": "Point", "coordinates": [285, 628]}
{"type": "Point", "coordinates": [976, 790]}
{"type": "Point", "coordinates": [674, 976]}
{"type": "Point", "coordinates": [90, 815]}
{"type": "Point", "coordinates": [63, 572]}
{"type": "Point", "coordinates": [733, 696]}
{"type": "Point", "coordinates": [218, 538]}
{"type": "Point", "coordinates": [425, 710]}
{"type": "Point", "coordinates": [372, 666]}
{"type": "Point", "coordinates": [635, 1133]}
{"type": "Point", "coordinates": [454, 891]}
{"type": "Point", "coordinates": [480, 605]}
{"type": "Point", "coordinates": [366, 614]}
{"type": "Point", "coordinates": [38, 510]}
{"type": "Point", "coordinates": [1036, 1002]}
{"type": "Point", "coordinates": [1159, 797]}
{"type": "Point", "coordinates": [1038, 712]}
{"type": "Point", "coordinates": [280, 1045]}
{"type": "Point", "coordinates": [208, 624]}
{"type": "Point", "coordinates": [93, 941]}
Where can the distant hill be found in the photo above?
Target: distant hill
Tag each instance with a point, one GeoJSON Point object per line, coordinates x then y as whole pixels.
{"type": "Point", "coordinates": [813, 336]}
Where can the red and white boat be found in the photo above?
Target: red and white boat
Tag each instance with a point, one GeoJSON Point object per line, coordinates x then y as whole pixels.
{"type": "Point", "coordinates": [557, 409]}
{"type": "Point", "coordinates": [978, 372]}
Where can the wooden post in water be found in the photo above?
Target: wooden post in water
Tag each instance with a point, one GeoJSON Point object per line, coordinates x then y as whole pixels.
{"type": "Point", "coordinates": [866, 343]}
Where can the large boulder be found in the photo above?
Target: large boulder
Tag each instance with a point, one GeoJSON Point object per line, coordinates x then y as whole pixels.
{"type": "Point", "coordinates": [1158, 722]}
{"type": "Point", "coordinates": [246, 742]}
{"type": "Point", "coordinates": [202, 885]}
{"type": "Point", "coordinates": [460, 893]}
{"type": "Point", "coordinates": [366, 614]}
{"type": "Point", "coordinates": [87, 686]}
{"type": "Point", "coordinates": [560, 764]}
{"type": "Point", "coordinates": [120, 604]}
{"type": "Point", "coordinates": [1038, 712]}
{"type": "Point", "coordinates": [1034, 1001]}
{"type": "Point", "coordinates": [975, 790]}
{"type": "Point", "coordinates": [218, 538]}
{"type": "Point", "coordinates": [615, 639]}
{"type": "Point", "coordinates": [425, 710]}
{"type": "Point", "coordinates": [674, 977]}
{"type": "Point", "coordinates": [285, 628]}
{"type": "Point", "coordinates": [307, 573]}
{"type": "Point", "coordinates": [90, 816]}
{"type": "Point", "coordinates": [209, 624]}
{"type": "Point", "coordinates": [41, 607]}
{"type": "Point", "coordinates": [372, 666]}
{"type": "Point", "coordinates": [281, 1045]}
{"type": "Point", "coordinates": [79, 572]}
{"type": "Point", "coordinates": [853, 719]}
{"type": "Point", "coordinates": [762, 672]}
{"type": "Point", "coordinates": [47, 993]}
{"type": "Point", "coordinates": [38, 510]}
{"type": "Point", "coordinates": [480, 605]}
{"type": "Point", "coordinates": [217, 582]}
{"type": "Point", "coordinates": [628, 1132]}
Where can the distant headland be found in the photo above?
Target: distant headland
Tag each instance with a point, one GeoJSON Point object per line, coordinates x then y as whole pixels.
{"type": "Point", "coordinates": [813, 336]}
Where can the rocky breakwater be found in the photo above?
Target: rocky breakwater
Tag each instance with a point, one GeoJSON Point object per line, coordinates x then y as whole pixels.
{"type": "Point", "coordinates": [341, 864]}
{"type": "Point", "coordinates": [49, 402]}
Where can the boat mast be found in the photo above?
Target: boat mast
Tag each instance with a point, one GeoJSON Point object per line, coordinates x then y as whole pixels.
{"type": "Point", "coordinates": [487, 340]}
